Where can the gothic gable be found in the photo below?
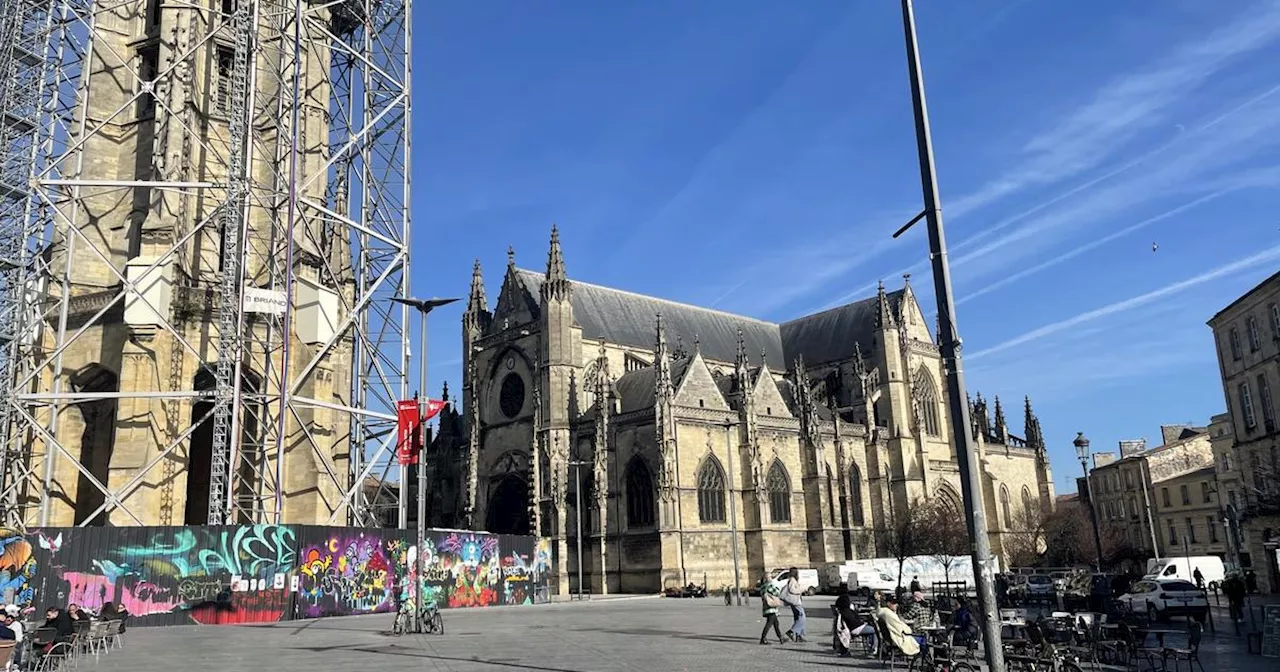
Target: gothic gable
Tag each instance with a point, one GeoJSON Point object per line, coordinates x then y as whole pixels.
{"type": "Point", "coordinates": [516, 305]}
{"type": "Point", "coordinates": [910, 315]}
{"type": "Point", "coordinates": [698, 387]}
{"type": "Point", "coordinates": [768, 399]}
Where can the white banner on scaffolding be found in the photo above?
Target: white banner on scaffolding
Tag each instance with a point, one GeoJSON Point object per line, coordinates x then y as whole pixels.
{"type": "Point", "coordinates": [258, 300]}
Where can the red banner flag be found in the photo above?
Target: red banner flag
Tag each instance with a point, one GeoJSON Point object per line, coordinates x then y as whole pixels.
{"type": "Point", "coordinates": [434, 406]}
{"type": "Point", "coordinates": [407, 426]}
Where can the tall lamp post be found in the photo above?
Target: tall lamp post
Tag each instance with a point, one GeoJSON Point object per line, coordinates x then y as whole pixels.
{"type": "Point", "coordinates": [1082, 452]}
{"type": "Point", "coordinates": [424, 307]}
{"type": "Point", "coordinates": [949, 348]}
{"type": "Point", "coordinates": [733, 515]}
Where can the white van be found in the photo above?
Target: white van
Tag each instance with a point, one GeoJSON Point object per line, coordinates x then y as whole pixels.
{"type": "Point", "coordinates": [808, 579]}
{"type": "Point", "coordinates": [864, 582]}
{"type": "Point", "coordinates": [1184, 568]}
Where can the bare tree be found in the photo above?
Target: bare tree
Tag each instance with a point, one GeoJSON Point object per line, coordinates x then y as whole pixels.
{"type": "Point", "coordinates": [903, 535]}
{"type": "Point", "coordinates": [945, 535]}
{"type": "Point", "coordinates": [1068, 539]}
{"type": "Point", "coordinates": [1026, 540]}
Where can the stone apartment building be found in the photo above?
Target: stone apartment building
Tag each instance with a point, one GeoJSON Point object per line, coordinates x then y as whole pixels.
{"type": "Point", "coordinates": [675, 424]}
{"type": "Point", "coordinates": [1247, 338]}
{"type": "Point", "coordinates": [1162, 501]}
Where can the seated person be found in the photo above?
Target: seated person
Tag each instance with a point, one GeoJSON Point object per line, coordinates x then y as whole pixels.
{"type": "Point", "coordinates": [851, 625]}
{"type": "Point", "coordinates": [899, 632]}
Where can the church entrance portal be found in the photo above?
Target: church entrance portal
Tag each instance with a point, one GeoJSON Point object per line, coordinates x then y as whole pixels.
{"type": "Point", "coordinates": [509, 507]}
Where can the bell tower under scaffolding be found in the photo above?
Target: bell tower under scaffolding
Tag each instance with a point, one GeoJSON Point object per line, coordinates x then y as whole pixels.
{"type": "Point", "coordinates": [204, 214]}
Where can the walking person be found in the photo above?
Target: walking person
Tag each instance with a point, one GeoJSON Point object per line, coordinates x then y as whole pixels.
{"type": "Point", "coordinates": [791, 598]}
{"type": "Point", "coordinates": [770, 601]}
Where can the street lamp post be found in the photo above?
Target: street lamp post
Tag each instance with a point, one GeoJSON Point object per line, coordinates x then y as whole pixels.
{"type": "Point", "coordinates": [733, 515]}
{"type": "Point", "coordinates": [423, 306]}
{"type": "Point", "coordinates": [1082, 453]}
{"type": "Point", "coordinates": [949, 348]}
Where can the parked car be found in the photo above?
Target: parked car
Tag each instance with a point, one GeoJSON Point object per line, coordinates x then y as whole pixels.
{"type": "Point", "coordinates": [1040, 587]}
{"type": "Point", "coordinates": [1162, 598]}
{"type": "Point", "coordinates": [808, 579]}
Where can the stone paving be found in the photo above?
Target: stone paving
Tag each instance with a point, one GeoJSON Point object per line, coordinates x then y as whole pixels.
{"type": "Point", "coordinates": [599, 636]}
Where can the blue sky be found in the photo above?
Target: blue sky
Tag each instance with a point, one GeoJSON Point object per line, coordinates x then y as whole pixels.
{"type": "Point", "coordinates": [756, 157]}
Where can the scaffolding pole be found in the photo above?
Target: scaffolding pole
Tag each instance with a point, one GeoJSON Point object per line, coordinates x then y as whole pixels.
{"type": "Point", "coordinates": [272, 149]}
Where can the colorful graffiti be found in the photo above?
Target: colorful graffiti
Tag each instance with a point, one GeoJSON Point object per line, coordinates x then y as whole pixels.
{"type": "Point", "coordinates": [264, 573]}
{"type": "Point", "coordinates": [345, 575]}
{"type": "Point", "coordinates": [17, 568]}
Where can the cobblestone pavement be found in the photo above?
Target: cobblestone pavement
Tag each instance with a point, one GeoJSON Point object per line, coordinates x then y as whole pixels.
{"type": "Point", "coordinates": [601, 636]}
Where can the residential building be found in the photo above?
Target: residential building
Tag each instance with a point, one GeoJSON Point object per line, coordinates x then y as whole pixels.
{"type": "Point", "coordinates": [1141, 494]}
{"type": "Point", "coordinates": [1247, 337]}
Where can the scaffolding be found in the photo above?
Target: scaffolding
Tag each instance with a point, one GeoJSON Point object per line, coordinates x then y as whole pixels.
{"type": "Point", "coordinates": [205, 215]}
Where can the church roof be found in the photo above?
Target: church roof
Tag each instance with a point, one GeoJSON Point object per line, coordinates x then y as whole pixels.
{"type": "Point", "coordinates": [829, 336]}
{"type": "Point", "coordinates": [626, 318]}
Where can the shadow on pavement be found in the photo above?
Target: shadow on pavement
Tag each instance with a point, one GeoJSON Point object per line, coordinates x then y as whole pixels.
{"type": "Point", "coordinates": [473, 659]}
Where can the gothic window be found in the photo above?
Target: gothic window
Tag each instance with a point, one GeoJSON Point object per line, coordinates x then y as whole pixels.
{"type": "Point", "coordinates": [1028, 503]}
{"type": "Point", "coordinates": [639, 494]}
{"type": "Point", "coordinates": [511, 395]}
{"type": "Point", "coordinates": [950, 500]}
{"type": "Point", "coordinates": [221, 104]}
{"type": "Point", "coordinates": [927, 397]}
{"type": "Point", "coordinates": [779, 486]}
{"type": "Point", "coordinates": [855, 495]}
{"type": "Point", "coordinates": [711, 491]}
{"type": "Point", "coordinates": [1005, 508]}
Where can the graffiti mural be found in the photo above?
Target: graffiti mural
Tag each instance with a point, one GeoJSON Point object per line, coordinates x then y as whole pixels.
{"type": "Point", "coordinates": [344, 573]}
{"type": "Point", "coordinates": [264, 573]}
{"type": "Point", "coordinates": [17, 568]}
{"type": "Point", "coordinates": [164, 576]}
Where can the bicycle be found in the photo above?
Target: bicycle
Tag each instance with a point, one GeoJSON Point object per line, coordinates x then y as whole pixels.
{"type": "Point", "coordinates": [429, 618]}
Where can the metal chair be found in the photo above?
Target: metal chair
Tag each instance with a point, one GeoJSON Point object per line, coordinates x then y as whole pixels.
{"type": "Point", "coordinates": [1191, 654]}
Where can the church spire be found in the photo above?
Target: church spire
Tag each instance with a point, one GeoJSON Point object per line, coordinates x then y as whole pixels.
{"type": "Point", "coordinates": [477, 301]}
{"type": "Point", "coordinates": [662, 365]}
{"type": "Point", "coordinates": [1000, 423]}
{"type": "Point", "coordinates": [556, 285]}
{"type": "Point", "coordinates": [1031, 426]}
{"type": "Point", "coordinates": [740, 362]}
{"type": "Point", "coordinates": [511, 256]}
{"type": "Point", "coordinates": [884, 316]}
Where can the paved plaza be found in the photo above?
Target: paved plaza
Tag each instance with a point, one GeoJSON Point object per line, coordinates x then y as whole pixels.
{"type": "Point", "coordinates": [604, 635]}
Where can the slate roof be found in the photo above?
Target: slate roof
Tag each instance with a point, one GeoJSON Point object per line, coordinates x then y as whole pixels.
{"type": "Point", "coordinates": [626, 318]}
{"type": "Point", "coordinates": [829, 336]}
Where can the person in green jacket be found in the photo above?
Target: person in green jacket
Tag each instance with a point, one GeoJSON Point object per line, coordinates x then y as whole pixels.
{"type": "Point", "coordinates": [770, 600]}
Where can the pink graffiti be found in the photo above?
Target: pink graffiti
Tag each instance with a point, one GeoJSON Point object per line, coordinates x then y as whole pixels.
{"type": "Point", "coordinates": [92, 590]}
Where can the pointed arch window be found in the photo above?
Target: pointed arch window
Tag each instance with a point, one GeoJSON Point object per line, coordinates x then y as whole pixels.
{"type": "Point", "coordinates": [855, 495]}
{"type": "Point", "coordinates": [639, 494]}
{"type": "Point", "coordinates": [927, 397]}
{"type": "Point", "coordinates": [950, 499]}
{"type": "Point", "coordinates": [1028, 503]}
{"type": "Point", "coordinates": [779, 486]}
{"type": "Point", "coordinates": [1006, 509]}
{"type": "Point", "coordinates": [711, 491]}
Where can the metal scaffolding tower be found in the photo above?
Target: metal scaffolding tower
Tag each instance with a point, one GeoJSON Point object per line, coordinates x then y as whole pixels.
{"type": "Point", "coordinates": [205, 214]}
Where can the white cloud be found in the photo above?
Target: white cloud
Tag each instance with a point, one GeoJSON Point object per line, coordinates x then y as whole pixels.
{"type": "Point", "coordinates": [1268, 256]}
{"type": "Point", "coordinates": [1127, 106]}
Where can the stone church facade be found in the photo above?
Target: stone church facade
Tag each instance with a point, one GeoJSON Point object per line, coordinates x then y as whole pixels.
{"type": "Point", "coordinates": [673, 424]}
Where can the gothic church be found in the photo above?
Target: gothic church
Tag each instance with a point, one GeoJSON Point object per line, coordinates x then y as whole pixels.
{"type": "Point", "coordinates": [669, 425]}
